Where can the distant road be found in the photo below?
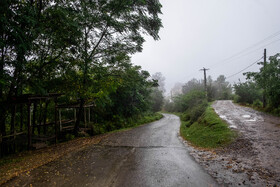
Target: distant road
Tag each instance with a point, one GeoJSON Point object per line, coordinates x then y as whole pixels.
{"type": "Point", "coordinates": [149, 155]}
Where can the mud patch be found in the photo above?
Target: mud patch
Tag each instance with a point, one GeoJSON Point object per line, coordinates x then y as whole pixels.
{"type": "Point", "coordinates": [253, 159]}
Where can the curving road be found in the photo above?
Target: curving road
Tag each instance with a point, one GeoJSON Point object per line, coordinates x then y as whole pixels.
{"type": "Point", "coordinates": [149, 155]}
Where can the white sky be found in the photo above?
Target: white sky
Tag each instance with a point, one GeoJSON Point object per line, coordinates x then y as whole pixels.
{"type": "Point", "coordinates": [203, 33]}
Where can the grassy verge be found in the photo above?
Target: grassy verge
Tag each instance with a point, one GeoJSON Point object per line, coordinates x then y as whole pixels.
{"type": "Point", "coordinates": [148, 118]}
{"type": "Point", "coordinates": [209, 131]}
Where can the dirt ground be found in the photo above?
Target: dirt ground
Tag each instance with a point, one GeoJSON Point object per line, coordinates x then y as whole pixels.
{"type": "Point", "coordinates": [253, 159]}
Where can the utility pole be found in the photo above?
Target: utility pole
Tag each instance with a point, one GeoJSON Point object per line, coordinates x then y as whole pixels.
{"type": "Point", "coordinates": [205, 83]}
{"type": "Point", "coordinates": [264, 70]}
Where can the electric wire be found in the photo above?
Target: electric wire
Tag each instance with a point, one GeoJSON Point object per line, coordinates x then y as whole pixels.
{"type": "Point", "coordinates": [244, 52]}
{"type": "Point", "coordinates": [256, 49]}
{"type": "Point", "coordinates": [243, 69]}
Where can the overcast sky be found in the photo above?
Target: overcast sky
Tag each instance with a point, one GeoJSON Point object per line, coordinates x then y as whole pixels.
{"type": "Point", "coordinates": [207, 33]}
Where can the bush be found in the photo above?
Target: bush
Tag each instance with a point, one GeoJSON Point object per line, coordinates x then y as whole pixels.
{"type": "Point", "coordinates": [185, 116]}
{"type": "Point", "coordinates": [247, 92]}
{"type": "Point", "coordinates": [257, 103]}
{"type": "Point", "coordinates": [196, 111]}
{"type": "Point", "coordinates": [69, 137]}
{"type": "Point", "coordinates": [187, 101]}
{"type": "Point", "coordinates": [209, 131]}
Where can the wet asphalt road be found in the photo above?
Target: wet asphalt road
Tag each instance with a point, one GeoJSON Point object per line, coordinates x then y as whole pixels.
{"type": "Point", "coordinates": [149, 155]}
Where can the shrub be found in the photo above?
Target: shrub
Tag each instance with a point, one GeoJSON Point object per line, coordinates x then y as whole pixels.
{"type": "Point", "coordinates": [257, 103]}
{"type": "Point", "coordinates": [247, 92]}
{"type": "Point", "coordinates": [197, 111]}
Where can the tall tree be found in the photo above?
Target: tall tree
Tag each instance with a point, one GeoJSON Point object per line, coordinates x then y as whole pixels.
{"type": "Point", "coordinates": [268, 78]}
{"type": "Point", "coordinates": [110, 28]}
{"type": "Point", "coordinates": [161, 81]}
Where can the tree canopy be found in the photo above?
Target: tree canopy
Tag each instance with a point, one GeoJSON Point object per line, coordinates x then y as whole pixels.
{"type": "Point", "coordinates": [79, 48]}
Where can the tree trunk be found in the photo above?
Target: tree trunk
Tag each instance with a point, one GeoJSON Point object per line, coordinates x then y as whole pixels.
{"type": "Point", "coordinates": [34, 117]}
{"type": "Point", "coordinates": [80, 116]}
{"type": "Point", "coordinates": [45, 116]}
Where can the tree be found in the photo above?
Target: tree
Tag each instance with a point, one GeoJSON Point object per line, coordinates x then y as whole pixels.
{"type": "Point", "coordinates": [269, 80]}
{"type": "Point", "coordinates": [247, 92]}
{"type": "Point", "coordinates": [223, 88]}
{"type": "Point", "coordinates": [161, 81]}
{"type": "Point", "coordinates": [78, 48]}
{"type": "Point", "coordinates": [157, 98]}
{"type": "Point", "coordinates": [193, 84]}
{"type": "Point", "coordinates": [110, 28]}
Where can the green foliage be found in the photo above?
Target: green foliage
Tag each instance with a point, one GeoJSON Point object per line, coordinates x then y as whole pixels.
{"type": "Point", "coordinates": [219, 89]}
{"type": "Point", "coordinates": [188, 101]}
{"type": "Point", "coordinates": [69, 137]}
{"type": "Point", "coordinates": [247, 92]}
{"type": "Point", "coordinates": [269, 79]}
{"type": "Point", "coordinates": [196, 111]}
{"type": "Point", "coordinates": [257, 103]}
{"type": "Point", "coordinates": [208, 132]}
{"type": "Point", "coordinates": [157, 99]}
{"type": "Point", "coordinates": [125, 123]}
{"type": "Point", "coordinates": [80, 49]}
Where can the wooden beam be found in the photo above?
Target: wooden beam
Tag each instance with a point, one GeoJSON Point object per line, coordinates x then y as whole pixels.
{"type": "Point", "coordinates": [29, 125]}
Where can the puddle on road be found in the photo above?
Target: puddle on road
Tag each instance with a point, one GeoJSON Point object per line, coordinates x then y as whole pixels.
{"type": "Point", "coordinates": [233, 126]}
{"type": "Point", "coordinates": [246, 116]}
{"type": "Point", "coordinates": [252, 120]}
{"type": "Point", "coordinates": [223, 117]}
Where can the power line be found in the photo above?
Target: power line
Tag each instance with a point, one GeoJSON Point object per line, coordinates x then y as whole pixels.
{"type": "Point", "coordinates": [244, 68]}
{"type": "Point", "coordinates": [257, 49]}
{"type": "Point", "coordinates": [241, 53]}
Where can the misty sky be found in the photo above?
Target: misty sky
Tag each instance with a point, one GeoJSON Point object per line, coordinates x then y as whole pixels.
{"type": "Point", "coordinates": [207, 33]}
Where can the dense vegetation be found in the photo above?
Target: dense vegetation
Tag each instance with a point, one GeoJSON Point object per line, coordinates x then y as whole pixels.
{"type": "Point", "coordinates": [208, 131]}
{"type": "Point", "coordinates": [79, 49]}
{"type": "Point", "coordinates": [262, 89]}
{"type": "Point", "coordinates": [193, 94]}
{"type": "Point", "coordinates": [199, 122]}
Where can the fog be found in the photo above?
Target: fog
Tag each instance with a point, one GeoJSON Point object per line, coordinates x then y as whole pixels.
{"type": "Point", "coordinates": [225, 36]}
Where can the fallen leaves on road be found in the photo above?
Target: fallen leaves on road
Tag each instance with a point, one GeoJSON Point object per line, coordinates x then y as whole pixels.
{"type": "Point", "coordinates": [30, 160]}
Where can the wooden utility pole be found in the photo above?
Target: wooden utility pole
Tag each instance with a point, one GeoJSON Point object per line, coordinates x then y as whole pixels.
{"type": "Point", "coordinates": [205, 80]}
{"type": "Point", "coordinates": [264, 69]}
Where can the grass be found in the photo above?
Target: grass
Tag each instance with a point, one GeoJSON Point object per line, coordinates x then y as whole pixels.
{"type": "Point", "coordinates": [148, 118]}
{"type": "Point", "coordinates": [208, 132]}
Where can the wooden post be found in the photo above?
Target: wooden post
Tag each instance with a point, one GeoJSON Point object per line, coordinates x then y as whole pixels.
{"type": "Point", "coordinates": [264, 69]}
{"type": "Point", "coordinates": [60, 124]}
{"type": "Point", "coordinates": [13, 129]}
{"type": "Point", "coordinates": [13, 119]}
{"type": "Point", "coordinates": [88, 114]}
{"type": "Point", "coordinates": [21, 117]}
{"type": "Point", "coordinates": [205, 80]}
{"type": "Point", "coordinates": [75, 114]}
{"type": "Point", "coordinates": [29, 125]}
{"type": "Point", "coordinates": [34, 116]}
{"type": "Point", "coordinates": [85, 116]}
{"type": "Point", "coordinates": [40, 117]}
{"type": "Point", "coordinates": [55, 120]}
{"type": "Point", "coordinates": [45, 115]}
